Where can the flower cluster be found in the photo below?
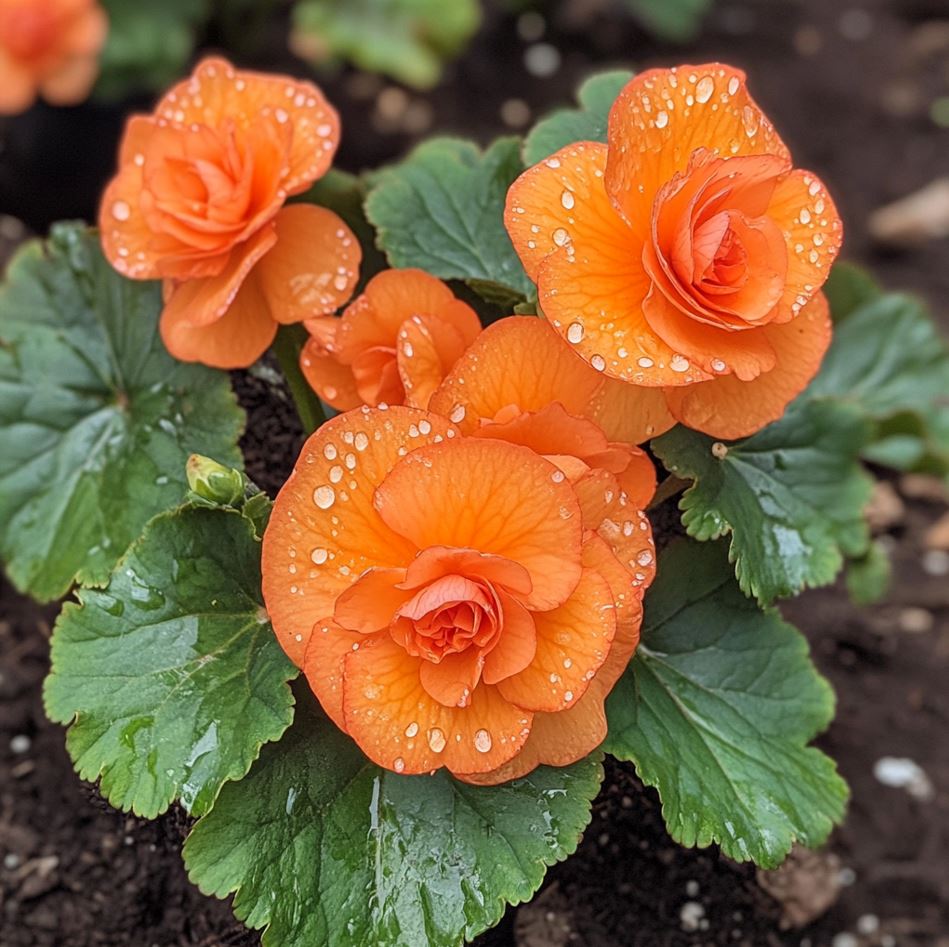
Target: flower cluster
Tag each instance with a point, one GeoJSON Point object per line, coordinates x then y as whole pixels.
{"type": "Point", "coordinates": [458, 561]}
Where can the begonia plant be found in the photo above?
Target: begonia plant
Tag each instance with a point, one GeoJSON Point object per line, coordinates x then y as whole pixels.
{"type": "Point", "coordinates": [385, 693]}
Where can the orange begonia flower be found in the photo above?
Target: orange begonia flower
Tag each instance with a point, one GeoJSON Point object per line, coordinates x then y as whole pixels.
{"type": "Point", "coordinates": [446, 597]}
{"type": "Point", "coordinates": [48, 47]}
{"type": "Point", "coordinates": [394, 343]}
{"type": "Point", "coordinates": [686, 253]}
{"type": "Point", "coordinates": [198, 201]}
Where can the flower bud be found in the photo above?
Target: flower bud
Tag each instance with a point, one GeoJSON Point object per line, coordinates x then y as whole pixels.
{"type": "Point", "coordinates": [213, 481]}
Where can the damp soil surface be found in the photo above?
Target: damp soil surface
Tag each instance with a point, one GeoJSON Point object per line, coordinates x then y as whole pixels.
{"type": "Point", "coordinates": [852, 87]}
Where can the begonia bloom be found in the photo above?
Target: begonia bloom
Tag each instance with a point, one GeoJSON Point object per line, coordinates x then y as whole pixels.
{"type": "Point", "coordinates": [198, 202]}
{"type": "Point", "coordinates": [686, 251]}
{"type": "Point", "coordinates": [444, 595]}
{"type": "Point", "coordinates": [394, 343]}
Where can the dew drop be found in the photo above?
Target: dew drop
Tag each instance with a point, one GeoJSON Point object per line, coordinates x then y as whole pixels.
{"type": "Point", "coordinates": [679, 364]}
{"type": "Point", "coordinates": [718, 365]}
{"type": "Point", "coordinates": [662, 119]}
{"type": "Point", "coordinates": [560, 236]}
{"type": "Point", "coordinates": [482, 741]}
{"type": "Point", "coordinates": [121, 210]}
{"type": "Point", "coordinates": [645, 362]}
{"type": "Point", "coordinates": [644, 558]}
{"type": "Point", "coordinates": [704, 89]}
{"type": "Point", "coordinates": [598, 362]}
{"type": "Point", "coordinates": [329, 452]}
{"type": "Point", "coordinates": [575, 332]}
{"type": "Point", "coordinates": [411, 730]}
{"type": "Point", "coordinates": [319, 556]}
{"type": "Point", "coordinates": [361, 440]}
{"type": "Point", "coordinates": [733, 85]}
{"type": "Point", "coordinates": [399, 764]}
{"type": "Point", "coordinates": [457, 414]}
{"type": "Point", "coordinates": [436, 740]}
{"type": "Point", "coordinates": [567, 200]}
{"type": "Point", "coordinates": [557, 476]}
{"type": "Point", "coordinates": [324, 496]}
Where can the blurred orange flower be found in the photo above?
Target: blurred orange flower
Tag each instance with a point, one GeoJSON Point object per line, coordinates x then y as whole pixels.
{"type": "Point", "coordinates": [686, 253]}
{"type": "Point", "coordinates": [198, 201]}
{"type": "Point", "coordinates": [445, 597]}
{"type": "Point", "coordinates": [48, 47]}
{"type": "Point", "coordinates": [393, 344]}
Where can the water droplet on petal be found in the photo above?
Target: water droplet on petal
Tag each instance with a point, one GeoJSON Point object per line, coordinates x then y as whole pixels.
{"type": "Point", "coordinates": [482, 741]}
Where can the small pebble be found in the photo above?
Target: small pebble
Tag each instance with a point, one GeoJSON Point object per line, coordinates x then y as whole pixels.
{"type": "Point", "coordinates": [692, 888]}
{"type": "Point", "coordinates": [868, 924]}
{"type": "Point", "coordinates": [916, 621]}
{"type": "Point", "coordinates": [936, 562]}
{"type": "Point", "coordinates": [691, 915]}
{"type": "Point", "coordinates": [845, 939]}
{"type": "Point", "coordinates": [515, 113]}
{"type": "Point", "coordinates": [20, 743]}
{"type": "Point", "coordinates": [542, 60]}
{"type": "Point", "coordinates": [846, 876]}
{"type": "Point", "coordinates": [531, 26]}
{"type": "Point", "coordinates": [11, 861]}
{"type": "Point", "coordinates": [903, 773]}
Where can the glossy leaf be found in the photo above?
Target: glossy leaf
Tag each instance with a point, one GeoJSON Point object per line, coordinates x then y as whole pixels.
{"type": "Point", "coordinates": [675, 20]}
{"type": "Point", "coordinates": [441, 210]}
{"type": "Point", "coordinates": [96, 419]}
{"type": "Point", "coordinates": [791, 496]}
{"type": "Point", "coordinates": [171, 676]}
{"type": "Point", "coordinates": [320, 846]}
{"type": "Point", "coordinates": [868, 577]}
{"type": "Point", "coordinates": [586, 123]}
{"type": "Point", "coordinates": [716, 710]}
{"type": "Point", "coordinates": [405, 39]}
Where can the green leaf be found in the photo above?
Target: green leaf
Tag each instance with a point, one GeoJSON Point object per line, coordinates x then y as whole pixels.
{"type": "Point", "coordinates": [323, 847]}
{"type": "Point", "coordinates": [677, 21]}
{"type": "Point", "coordinates": [96, 419]}
{"type": "Point", "coordinates": [441, 210]}
{"type": "Point", "coordinates": [171, 676]}
{"type": "Point", "coordinates": [148, 45]}
{"type": "Point", "coordinates": [587, 123]}
{"type": "Point", "coordinates": [868, 578]}
{"type": "Point", "coordinates": [716, 710]}
{"type": "Point", "coordinates": [405, 39]}
{"type": "Point", "coordinates": [792, 495]}
{"type": "Point", "coordinates": [847, 288]}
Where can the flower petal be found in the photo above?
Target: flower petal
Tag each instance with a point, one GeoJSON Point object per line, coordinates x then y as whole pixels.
{"type": "Point", "coordinates": [491, 496]}
{"type": "Point", "coordinates": [452, 681]}
{"type": "Point", "coordinates": [730, 408]}
{"type": "Point", "coordinates": [235, 340]}
{"type": "Point", "coordinates": [519, 361]}
{"type": "Point", "coordinates": [322, 659]}
{"type": "Point", "coordinates": [216, 92]}
{"type": "Point", "coordinates": [371, 602]}
{"type": "Point", "coordinates": [435, 561]}
{"type": "Point", "coordinates": [332, 381]}
{"type": "Point", "coordinates": [199, 302]}
{"type": "Point", "coordinates": [630, 413]}
{"type": "Point", "coordinates": [572, 642]}
{"type": "Point", "coordinates": [398, 725]}
{"type": "Point", "coordinates": [324, 531]}
{"type": "Point", "coordinates": [314, 267]}
{"type": "Point", "coordinates": [517, 645]}
{"type": "Point", "coordinates": [663, 115]}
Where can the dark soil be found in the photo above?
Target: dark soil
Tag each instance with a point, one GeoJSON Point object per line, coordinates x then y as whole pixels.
{"type": "Point", "coordinates": [850, 87]}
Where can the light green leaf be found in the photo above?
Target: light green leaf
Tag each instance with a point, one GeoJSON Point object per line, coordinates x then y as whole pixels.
{"type": "Point", "coordinates": [406, 39]}
{"type": "Point", "coordinates": [171, 676]}
{"type": "Point", "coordinates": [587, 123]}
{"type": "Point", "coordinates": [792, 495]}
{"type": "Point", "coordinates": [868, 578]}
{"type": "Point", "coordinates": [716, 710]}
{"type": "Point", "coordinates": [323, 847]}
{"type": "Point", "coordinates": [675, 20]}
{"type": "Point", "coordinates": [148, 45]}
{"type": "Point", "coordinates": [441, 210]}
{"type": "Point", "coordinates": [96, 419]}
{"type": "Point", "coordinates": [847, 288]}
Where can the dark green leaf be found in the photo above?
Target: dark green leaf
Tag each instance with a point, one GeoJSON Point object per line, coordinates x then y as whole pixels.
{"type": "Point", "coordinates": [792, 495]}
{"type": "Point", "coordinates": [675, 20]}
{"type": "Point", "coordinates": [847, 288]}
{"type": "Point", "coordinates": [716, 711]}
{"type": "Point", "coordinates": [587, 123]}
{"type": "Point", "coordinates": [96, 419]}
{"type": "Point", "coordinates": [442, 210]}
{"type": "Point", "coordinates": [406, 39]}
{"type": "Point", "coordinates": [148, 45]}
{"type": "Point", "coordinates": [171, 676]}
{"type": "Point", "coordinates": [323, 847]}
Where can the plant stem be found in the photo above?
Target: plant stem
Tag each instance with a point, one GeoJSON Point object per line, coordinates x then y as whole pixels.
{"type": "Point", "coordinates": [668, 489]}
{"type": "Point", "coordinates": [286, 347]}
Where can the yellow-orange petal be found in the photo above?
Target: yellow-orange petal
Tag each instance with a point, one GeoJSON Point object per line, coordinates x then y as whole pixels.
{"type": "Point", "coordinates": [630, 413]}
{"type": "Point", "coordinates": [73, 81]}
{"type": "Point", "coordinates": [17, 86]}
{"type": "Point", "coordinates": [730, 408]}
{"type": "Point", "coordinates": [322, 661]}
{"type": "Point", "coordinates": [216, 92]}
{"type": "Point", "coordinates": [452, 681]}
{"type": "Point", "coordinates": [324, 531]}
{"type": "Point", "coordinates": [572, 642]}
{"type": "Point", "coordinates": [518, 361]}
{"type": "Point", "coordinates": [399, 726]}
{"type": "Point", "coordinates": [199, 302]}
{"type": "Point", "coordinates": [314, 267]}
{"type": "Point", "coordinates": [491, 496]}
{"type": "Point", "coordinates": [663, 115]}
{"type": "Point", "coordinates": [436, 561]}
{"type": "Point", "coordinates": [805, 212]}
{"type": "Point", "coordinates": [517, 645]}
{"type": "Point", "coordinates": [425, 352]}
{"type": "Point", "coordinates": [235, 340]}
{"type": "Point", "coordinates": [332, 381]}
